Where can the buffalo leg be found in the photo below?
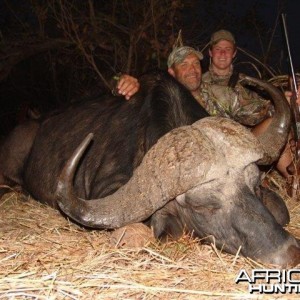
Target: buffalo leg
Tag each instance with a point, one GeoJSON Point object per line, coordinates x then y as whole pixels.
{"type": "Point", "coordinates": [14, 151]}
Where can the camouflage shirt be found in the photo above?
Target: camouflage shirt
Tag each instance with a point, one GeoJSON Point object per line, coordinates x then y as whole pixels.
{"type": "Point", "coordinates": [238, 103]}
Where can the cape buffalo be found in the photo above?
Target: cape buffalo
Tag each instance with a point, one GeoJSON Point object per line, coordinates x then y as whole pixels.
{"type": "Point", "coordinates": [141, 164]}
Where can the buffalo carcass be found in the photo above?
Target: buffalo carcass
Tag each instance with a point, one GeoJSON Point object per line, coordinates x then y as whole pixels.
{"type": "Point", "coordinates": [201, 178]}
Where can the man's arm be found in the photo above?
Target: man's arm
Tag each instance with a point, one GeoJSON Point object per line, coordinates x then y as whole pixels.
{"type": "Point", "coordinates": [127, 86]}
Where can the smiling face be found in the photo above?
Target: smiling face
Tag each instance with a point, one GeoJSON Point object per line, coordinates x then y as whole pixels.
{"type": "Point", "coordinates": [222, 54]}
{"type": "Point", "coordinates": [188, 72]}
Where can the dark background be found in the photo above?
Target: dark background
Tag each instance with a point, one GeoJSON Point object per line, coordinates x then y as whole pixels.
{"type": "Point", "coordinates": [57, 52]}
{"type": "Point", "coordinates": [256, 25]}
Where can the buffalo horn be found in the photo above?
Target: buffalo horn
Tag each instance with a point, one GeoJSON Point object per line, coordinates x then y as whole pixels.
{"type": "Point", "coordinates": [179, 161]}
{"type": "Point", "coordinates": [274, 138]}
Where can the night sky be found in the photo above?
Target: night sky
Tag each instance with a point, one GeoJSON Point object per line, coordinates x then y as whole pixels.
{"type": "Point", "coordinates": [269, 13]}
{"type": "Point", "coordinates": [293, 15]}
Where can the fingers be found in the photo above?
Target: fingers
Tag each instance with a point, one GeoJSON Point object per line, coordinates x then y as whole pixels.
{"type": "Point", "coordinates": [298, 96]}
{"type": "Point", "coordinates": [128, 86]}
{"type": "Point", "coordinates": [288, 95]}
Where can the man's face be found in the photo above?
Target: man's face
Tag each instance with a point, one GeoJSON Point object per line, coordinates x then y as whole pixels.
{"type": "Point", "coordinates": [188, 72]}
{"type": "Point", "coordinates": [222, 54]}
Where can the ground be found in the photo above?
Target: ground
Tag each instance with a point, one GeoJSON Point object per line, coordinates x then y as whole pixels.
{"type": "Point", "coordinates": [45, 256]}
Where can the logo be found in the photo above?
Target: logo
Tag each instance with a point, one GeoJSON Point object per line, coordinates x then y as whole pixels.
{"type": "Point", "coordinates": [271, 281]}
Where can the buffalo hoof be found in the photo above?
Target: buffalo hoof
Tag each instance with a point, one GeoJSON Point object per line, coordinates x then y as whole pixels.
{"type": "Point", "coordinates": [132, 236]}
{"type": "Point", "coordinates": [276, 205]}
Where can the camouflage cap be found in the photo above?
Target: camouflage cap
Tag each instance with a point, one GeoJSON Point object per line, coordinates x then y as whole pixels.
{"type": "Point", "coordinates": [180, 53]}
{"type": "Point", "coordinates": [222, 35]}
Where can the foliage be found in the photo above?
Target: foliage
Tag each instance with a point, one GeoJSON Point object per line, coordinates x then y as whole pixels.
{"type": "Point", "coordinates": [109, 36]}
{"type": "Point", "coordinates": [57, 51]}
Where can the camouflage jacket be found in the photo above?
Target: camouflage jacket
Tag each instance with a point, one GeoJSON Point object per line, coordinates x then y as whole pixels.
{"type": "Point", "coordinates": [238, 103]}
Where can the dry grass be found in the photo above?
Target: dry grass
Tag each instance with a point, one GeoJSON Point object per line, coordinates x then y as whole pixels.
{"type": "Point", "coordinates": [45, 256]}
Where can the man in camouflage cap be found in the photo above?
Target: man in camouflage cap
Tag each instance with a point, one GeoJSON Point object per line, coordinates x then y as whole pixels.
{"type": "Point", "coordinates": [222, 89]}
{"type": "Point", "coordinates": [184, 65]}
{"type": "Point", "coordinates": [225, 95]}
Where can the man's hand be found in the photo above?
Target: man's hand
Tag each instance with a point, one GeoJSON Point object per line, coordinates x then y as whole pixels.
{"type": "Point", "coordinates": [127, 86]}
{"type": "Point", "coordinates": [288, 95]}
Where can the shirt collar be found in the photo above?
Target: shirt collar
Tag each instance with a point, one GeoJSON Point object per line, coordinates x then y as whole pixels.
{"type": "Point", "coordinates": [215, 77]}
